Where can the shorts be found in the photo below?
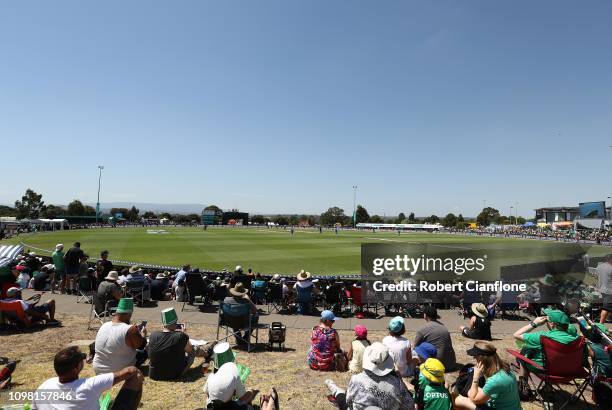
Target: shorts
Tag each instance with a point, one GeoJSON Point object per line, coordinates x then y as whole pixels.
{"type": "Point", "coordinates": [607, 302]}
{"type": "Point", "coordinates": [44, 308]}
{"type": "Point", "coordinates": [72, 270]}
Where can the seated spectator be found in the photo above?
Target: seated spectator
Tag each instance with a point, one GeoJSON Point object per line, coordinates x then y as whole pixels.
{"type": "Point", "coordinates": [32, 262]}
{"type": "Point", "coordinates": [159, 287]}
{"type": "Point", "coordinates": [239, 295]}
{"type": "Point", "coordinates": [171, 353]}
{"type": "Point", "coordinates": [422, 352]}
{"type": "Point", "coordinates": [223, 386]}
{"type": "Point", "coordinates": [36, 313]}
{"type": "Point", "coordinates": [399, 347]}
{"type": "Point", "coordinates": [41, 280]}
{"type": "Point", "coordinates": [106, 265]}
{"type": "Point", "coordinates": [602, 362]}
{"type": "Point", "coordinates": [8, 278]}
{"type": "Point", "coordinates": [23, 280]}
{"type": "Point", "coordinates": [378, 386]}
{"type": "Point", "coordinates": [480, 325]}
{"type": "Point", "coordinates": [119, 344]}
{"type": "Point", "coordinates": [108, 292]}
{"type": "Point", "coordinates": [438, 335]}
{"type": "Point", "coordinates": [137, 276]}
{"type": "Point", "coordinates": [432, 393]}
{"type": "Point", "coordinates": [358, 345]}
{"type": "Point", "coordinates": [324, 343]}
{"type": "Point", "coordinates": [258, 289]}
{"type": "Point", "coordinates": [557, 323]}
{"type": "Point", "coordinates": [304, 289]}
{"type": "Point", "coordinates": [500, 391]}
{"type": "Point", "coordinates": [84, 393]}
{"type": "Point", "coordinates": [239, 277]}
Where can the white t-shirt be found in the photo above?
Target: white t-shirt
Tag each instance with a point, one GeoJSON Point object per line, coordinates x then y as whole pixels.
{"type": "Point", "coordinates": [604, 272]}
{"type": "Point", "coordinates": [225, 384]}
{"type": "Point", "coordinates": [398, 346]}
{"type": "Point", "coordinates": [112, 351]}
{"type": "Point", "coordinates": [85, 393]}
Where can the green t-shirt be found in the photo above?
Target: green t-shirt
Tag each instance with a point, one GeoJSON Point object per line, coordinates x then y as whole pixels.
{"type": "Point", "coordinates": [58, 261]}
{"type": "Point", "coordinates": [601, 362]}
{"type": "Point", "coordinates": [6, 275]}
{"type": "Point", "coordinates": [502, 390]}
{"type": "Point", "coordinates": [432, 396]}
{"type": "Point", "coordinates": [533, 348]}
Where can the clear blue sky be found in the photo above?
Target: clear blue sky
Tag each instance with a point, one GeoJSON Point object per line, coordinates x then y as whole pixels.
{"type": "Point", "coordinates": [282, 106]}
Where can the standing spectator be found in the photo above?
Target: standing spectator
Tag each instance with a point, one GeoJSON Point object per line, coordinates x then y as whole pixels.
{"type": "Point", "coordinates": [84, 393]}
{"type": "Point", "coordinates": [399, 347]}
{"type": "Point", "coordinates": [119, 344]}
{"type": "Point", "coordinates": [438, 335]}
{"type": "Point", "coordinates": [60, 268]}
{"type": "Point", "coordinates": [72, 261]}
{"type": "Point", "coordinates": [179, 279]}
{"type": "Point", "coordinates": [105, 263]}
{"type": "Point", "coordinates": [604, 275]}
{"type": "Point", "coordinates": [480, 325]}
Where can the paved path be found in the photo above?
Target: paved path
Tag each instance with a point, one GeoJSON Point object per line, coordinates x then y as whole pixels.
{"type": "Point", "coordinates": [192, 314]}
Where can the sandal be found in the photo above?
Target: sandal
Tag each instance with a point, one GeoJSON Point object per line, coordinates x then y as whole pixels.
{"type": "Point", "coordinates": [274, 398]}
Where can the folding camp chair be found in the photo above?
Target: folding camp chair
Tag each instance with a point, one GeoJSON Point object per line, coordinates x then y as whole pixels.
{"type": "Point", "coordinates": [196, 289]}
{"type": "Point", "coordinates": [564, 364]}
{"type": "Point", "coordinates": [102, 316]}
{"type": "Point", "coordinates": [259, 289]}
{"type": "Point", "coordinates": [135, 289]}
{"type": "Point", "coordinates": [275, 297]}
{"type": "Point", "coordinates": [85, 288]}
{"type": "Point", "coordinates": [333, 297]}
{"type": "Point", "coordinates": [238, 317]}
{"type": "Point", "coordinates": [12, 313]}
{"type": "Point", "coordinates": [304, 299]}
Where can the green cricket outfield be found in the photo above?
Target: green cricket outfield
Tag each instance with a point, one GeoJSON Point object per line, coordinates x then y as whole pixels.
{"type": "Point", "coordinates": [265, 250]}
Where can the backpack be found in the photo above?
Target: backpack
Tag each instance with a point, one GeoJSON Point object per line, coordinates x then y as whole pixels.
{"type": "Point", "coordinates": [464, 380]}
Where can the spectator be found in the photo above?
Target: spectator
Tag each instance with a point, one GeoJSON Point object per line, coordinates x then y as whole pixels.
{"type": "Point", "coordinates": [72, 263]}
{"type": "Point", "coordinates": [238, 296]}
{"type": "Point", "coordinates": [480, 325]}
{"type": "Point", "coordinates": [23, 280]}
{"type": "Point", "coordinates": [358, 345]}
{"type": "Point", "coordinates": [171, 353]}
{"type": "Point", "coordinates": [84, 393]}
{"type": "Point", "coordinates": [60, 268]}
{"type": "Point", "coordinates": [304, 289]}
{"type": "Point", "coordinates": [557, 323]}
{"type": "Point", "coordinates": [604, 275]}
{"type": "Point", "coordinates": [223, 386]}
{"type": "Point", "coordinates": [179, 279]}
{"type": "Point", "coordinates": [500, 391]}
{"type": "Point", "coordinates": [109, 292]}
{"type": "Point", "coordinates": [432, 393]}
{"type": "Point", "coordinates": [378, 386]}
{"type": "Point", "coordinates": [8, 277]}
{"type": "Point", "coordinates": [41, 279]}
{"type": "Point", "coordinates": [259, 288]}
{"type": "Point", "coordinates": [32, 262]}
{"type": "Point", "coordinates": [438, 335]}
{"type": "Point", "coordinates": [106, 265]}
{"type": "Point", "coordinates": [84, 269]}
{"type": "Point", "coordinates": [239, 277]}
{"type": "Point", "coordinates": [36, 313]}
{"type": "Point", "coordinates": [119, 344]}
{"type": "Point", "coordinates": [422, 352]}
{"type": "Point", "coordinates": [325, 343]}
{"type": "Point", "coordinates": [159, 287]}
{"type": "Point", "coordinates": [399, 347]}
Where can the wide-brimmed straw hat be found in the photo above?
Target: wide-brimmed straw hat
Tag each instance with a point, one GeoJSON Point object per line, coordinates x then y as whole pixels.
{"type": "Point", "coordinates": [135, 269]}
{"type": "Point", "coordinates": [480, 310]}
{"type": "Point", "coordinates": [112, 275]}
{"type": "Point", "coordinates": [303, 275]}
{"type": "Point", "coordinates": [238, 290]}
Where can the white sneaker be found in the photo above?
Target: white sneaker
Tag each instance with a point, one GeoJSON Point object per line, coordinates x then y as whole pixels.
{"type": "Point", "coordinates": [333, 388]}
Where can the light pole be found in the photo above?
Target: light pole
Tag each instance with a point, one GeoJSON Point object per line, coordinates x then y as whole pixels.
{"type": "Point", "coordinates": [511, 208]}
{"type": "Point", "coordinates": [100, 167]}
{"type": "Point", "coordinates": [354, 206]}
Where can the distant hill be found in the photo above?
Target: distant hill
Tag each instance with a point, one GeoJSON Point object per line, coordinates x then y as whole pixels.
{"type": "Point", "coordinates": [153, 207]}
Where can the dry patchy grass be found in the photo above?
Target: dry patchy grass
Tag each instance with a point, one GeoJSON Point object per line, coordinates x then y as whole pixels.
{"type": "Point", "coordinates": [298, 386]}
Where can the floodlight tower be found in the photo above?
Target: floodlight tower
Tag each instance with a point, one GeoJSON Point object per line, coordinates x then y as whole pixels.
{"type": "Point", "coordinates": [100, 167]}
{"type": "Point", "coordinates": [354, 206]}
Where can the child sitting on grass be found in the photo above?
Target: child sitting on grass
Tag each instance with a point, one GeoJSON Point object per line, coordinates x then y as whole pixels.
{"type": "Point", "coordinates": [356, 349]}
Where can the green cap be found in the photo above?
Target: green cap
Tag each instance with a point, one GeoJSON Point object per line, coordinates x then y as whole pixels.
{"type": "Point", "coordinates": [557, 316]}
{"type": "Point", "coordinates": [126, 305]}
{"type": "Point", "coordinates": [169, 316]}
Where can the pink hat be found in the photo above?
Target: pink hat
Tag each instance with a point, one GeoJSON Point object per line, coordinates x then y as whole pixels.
{"type": "Point", "coordinates": [361, 332]}
{"type": "Point", "coordinates": [20, 267]}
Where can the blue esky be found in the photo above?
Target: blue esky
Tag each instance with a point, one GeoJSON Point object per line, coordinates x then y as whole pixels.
{"type": "Point", "coordinates": [282, 106]}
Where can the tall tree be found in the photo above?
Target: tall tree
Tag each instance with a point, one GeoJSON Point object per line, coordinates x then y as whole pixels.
{"type": "Point", "coordinates": [281, 220]}
{"type": "Point", "coordinates": [460, 218]}
{"type": "Point", "coordinates": [400, 218]}
{"type": "Point", "coordinates": [361, 214]}
{"type": "Point", "coordinates": [432, 219]}
{"type": "Point", "coordinates": [411, 217]}
{"type": "Point", "coordinates": [7, 211]}
{"type": "Point", "coordinates": [487, 216]}
{"type": "Point", "coordinates": [149, 215]}
{"type": "Point", "coordinates": [76, 208]}
{"type": "Point", "coordinates": [376, 219]}
{"type": "Point", "coordinates": [30, 206]}
{"type": "Point", "coordinates": [333, 216]}
{"type": "Point", "coordinates": [294, 220]}
{"type": "Point", "coordinates": [449, 220]}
